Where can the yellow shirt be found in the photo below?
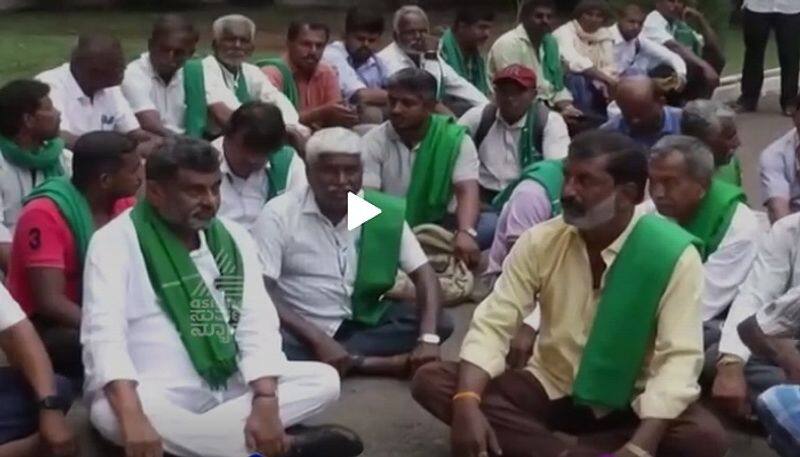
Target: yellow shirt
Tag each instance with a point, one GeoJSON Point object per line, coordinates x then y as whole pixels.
{"type": "Point", "coordinates": [514, 47]}
{"type": "Point", "coordinates": [550, 264]}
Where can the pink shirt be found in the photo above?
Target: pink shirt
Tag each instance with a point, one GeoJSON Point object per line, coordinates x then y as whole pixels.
{"type": "Point", "coordinates": [321, 89]}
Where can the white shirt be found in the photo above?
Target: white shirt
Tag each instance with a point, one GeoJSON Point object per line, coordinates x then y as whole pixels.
{"type": "Point", "coordinates": [725, 271]}
{"type": "Point", "coordinates": [775, 270]}
{"type": "Point", "coordinates": [370, 74]}
{"type": "Point", "coordinates": [773, 6]}
{"type": "Point", "coordinates": [146, 91]}
{"type": "Point", "coordinates": [15, 184]}
{"type": "Point", "coordinates": [126, 335]}
{"type": "Point", "coordinates": [10, 312]}
{"type": "Point", "coordinates": [643, 54]}
{"type": "Point", "coordinates": [221, 87]}
{"type": "Point", "coordinates": [657, 28]}
{"type": "Point", "coordinates": [388, 162]}
{"type": "Point", "coordinates": [313, 262]}
{"type": "Point", "coordinates": [451, 83]}
{"type": "Point", "coordinates": [499, 152]}
{"type": "Point", "coordinates": [779, 170]}
{"type": "Point", "coordinates": [243, 198]}
{"type": "Point", "coordinates": [567, 36]}
{"type": "Point", "coordinates": [106, 110]}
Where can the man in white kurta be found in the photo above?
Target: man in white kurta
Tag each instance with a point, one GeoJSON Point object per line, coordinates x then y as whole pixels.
{"type": "Point", "coordinates": [133, 350]}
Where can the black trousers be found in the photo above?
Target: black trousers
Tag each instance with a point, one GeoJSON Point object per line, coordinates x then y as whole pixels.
{"type": "Point", "coordinates": [757, 28]}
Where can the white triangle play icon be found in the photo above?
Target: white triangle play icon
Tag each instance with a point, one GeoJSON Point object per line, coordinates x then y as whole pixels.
{"type": "Point", "coordinates": [359, 211]}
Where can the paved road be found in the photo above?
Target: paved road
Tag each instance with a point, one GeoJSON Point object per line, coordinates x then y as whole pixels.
{"type": "Point", "coordinates": [392, 425]}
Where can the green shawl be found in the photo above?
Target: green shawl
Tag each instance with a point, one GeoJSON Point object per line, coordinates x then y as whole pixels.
{"type": "Point", "coordinates": [686, 35]}
{"type": "Point", "coordinates": [278, 171]}
{"type": "Point", "coordinates": [624, 326]}
{"type": "Point", "coordinates": [45, 159]}
{"type": "Point", "coordinates": [548, 173]}
{"type": "Point", "coordinates": [714, 215]}
{"type": "Point", "coordinates": [185, 298]}
{"type": "Point", "coordinates": [552, 69]}
{"type": "Point", "coordinates": [378, 258]}
{"type": "Point", "coordinates": [528, 153]}
{"type": "Point", "coordinates": [289, 88]}
{"type": "Point", "coordinates": [472, 67]}
{"type": "Point", "coordinates": [73, 207]}
{"type": "Point", "coordinates": [431, 188]}
{"type": "Point", "coordinates": [730, 173]}
{"type": "Point", "coordinates": [241, 90]}
{"type": "Point", "coordinates": [194, 87]}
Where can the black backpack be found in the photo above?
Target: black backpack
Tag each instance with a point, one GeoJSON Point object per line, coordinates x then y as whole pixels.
{"type": "Point", "coordinates": [489, 116]}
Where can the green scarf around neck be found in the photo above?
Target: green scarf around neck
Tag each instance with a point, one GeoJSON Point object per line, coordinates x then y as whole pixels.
{"type": "Point", "coordinates": [472, 67]}
{"type": "Point", "coordinates": [194, 87]}
{"type": "Point", "coordinates": [431, 188]}
{"type": "Point", "coordinates": [378, 258]}
{"type": "Point", "coordinates": [552, 69]}
{"type": "Point", "coordinates": [548, 173]}
{"type": "Point", "coordinates": [240, 89]}
{"type": "Point", "coordinates": [73, 207]}
{"type": "Point", "coordinates": [687, 36]}
{"type": "Point", "coordinates": [45, 159]}
{"type": "Point", "coordinates": [185, 298]}
{"type": "Point", "coordinates": [627, 313]}
{"type": "Point", "coordinates": [528, 153]}
{"type": "Point", "coordinates": [289, 88]}
{"type": "Point", "coordinates": [714, 215]}
{"type": "Point", "coordinates": [278, 172]}
{"type": "Point", "coordinates": [730, 173]}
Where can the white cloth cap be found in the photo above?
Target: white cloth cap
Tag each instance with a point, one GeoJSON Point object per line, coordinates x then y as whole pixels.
{"type": "Point", "coordinates": [334, 140]}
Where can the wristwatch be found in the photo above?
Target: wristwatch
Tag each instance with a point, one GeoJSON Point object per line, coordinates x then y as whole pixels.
{"type": "Point", "coordinates": [430, 338]}
{"type": "Point", "coordinates": [53, 402]}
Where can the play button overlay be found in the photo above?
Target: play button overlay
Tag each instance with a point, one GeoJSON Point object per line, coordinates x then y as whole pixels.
{"type": "Point", "coordinates": [359, 211]}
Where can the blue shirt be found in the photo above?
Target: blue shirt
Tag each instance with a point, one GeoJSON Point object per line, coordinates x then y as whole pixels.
{"type": "Point", "coordinates": [372, 74]}
{"type": "Point", "coordinates": [671, 126]}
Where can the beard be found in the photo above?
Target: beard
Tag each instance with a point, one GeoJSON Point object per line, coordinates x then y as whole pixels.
{"type": "Point", "coordinates": [590, 218]}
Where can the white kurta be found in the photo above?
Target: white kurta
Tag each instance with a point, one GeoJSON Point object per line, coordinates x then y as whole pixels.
{"type": "Point", "coordinates": [126, 335]}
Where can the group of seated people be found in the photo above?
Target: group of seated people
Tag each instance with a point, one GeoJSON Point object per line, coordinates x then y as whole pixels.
{"type": "Point", "coordinates": [176, 250]}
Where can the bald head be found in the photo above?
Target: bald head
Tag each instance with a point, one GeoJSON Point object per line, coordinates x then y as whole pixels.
{"type": "Point", "coordinates": [640, 103]}
{"type": "Point", "coordinates": [97, 62]}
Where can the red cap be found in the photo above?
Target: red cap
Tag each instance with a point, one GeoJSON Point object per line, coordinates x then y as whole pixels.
{"type": "Point", "coordinates": [520, 74]}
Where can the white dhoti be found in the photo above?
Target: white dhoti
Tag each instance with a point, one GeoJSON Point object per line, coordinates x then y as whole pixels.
{"type": "Point", "coordinates": [204, 423]}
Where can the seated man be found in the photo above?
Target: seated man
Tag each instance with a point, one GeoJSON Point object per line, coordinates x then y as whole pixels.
{"type": "Point", "coordinates": [154, 83]}
{"type": "Point", "coordinates": [532, 45]}
{"type": "Point", "coordinates": [427, 159]}
{"type": "Point", "coordinates": [637, 55]}
{"type": "Point", "coordinates": [256, 164]}
{"type": "Point", "coordinates": [312, 86]}
{"type": "Point", "coordinates": [327, 281]}
{"type": "Point", "coordinates": [586, 45]}
{"type": "Point", "coordinates": [230, 81]}
{"type": "Point", "coordinates": [683, 188]}
{"type": "Point", "coordinates": [702, 53]}
{"type": "Point", "coordinates": [766, 333]}
{"type": "Point", "coordinates": [59, 216]}
{"type": "Point", "coordinates": [714, 123]}
{"type": "Point", "coordinates": [643, 115]}
{"type": "Point", "coordinates": [181, 340]}
{"type": "Point", "coordinates": [33, 402]}
{"type": "Point", "coordinates": [87, 94]}
{"type": "Point", "coordinates": [461, 45]}
{"type": "Point", "coordinates": [413, 47]}
{"type": "Point", "coordinates": [597, 373]}
{"type": "Point", "coordinates": [30, 150]}
{"type": "Point", "coordinates": [510, 135]}
{"type": "Point", "coordinates": [780, 181]}
{"type": "Point", "coordinates": [362, 74]}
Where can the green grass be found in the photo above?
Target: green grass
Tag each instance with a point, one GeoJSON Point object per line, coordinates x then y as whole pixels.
{"type": "Point", "coordinates": [31, 42]}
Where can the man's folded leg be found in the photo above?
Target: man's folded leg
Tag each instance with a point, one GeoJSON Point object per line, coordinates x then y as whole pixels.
{"type": "Point", "coordinates": [304, 390]}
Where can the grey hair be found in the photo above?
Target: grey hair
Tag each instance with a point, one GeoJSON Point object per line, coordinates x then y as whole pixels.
{"type": "Point", "coordinates": [222, 24]}
{"type": "Point", "coordinates": [403, 12]}
{"type": "Point", "coordinates": [700, 116]}
{"type": "Point", "coordinates": [699, 159]}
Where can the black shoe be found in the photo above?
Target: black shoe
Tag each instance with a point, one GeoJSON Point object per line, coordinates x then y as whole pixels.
{"type": "Point", "coordinates": [324, 441]}
{"type": "Point", "coordinates": [741, 106]}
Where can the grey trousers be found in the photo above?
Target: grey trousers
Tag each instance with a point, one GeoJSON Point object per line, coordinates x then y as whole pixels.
{"type": "Point", "coordinates": [395, 334]}
{"type": "Point", "coordinates": [759, 373]}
